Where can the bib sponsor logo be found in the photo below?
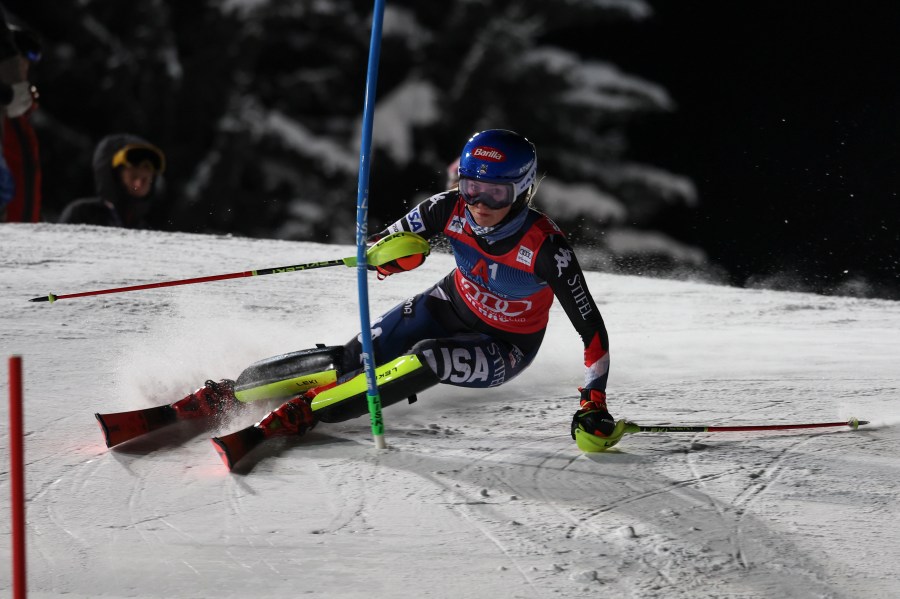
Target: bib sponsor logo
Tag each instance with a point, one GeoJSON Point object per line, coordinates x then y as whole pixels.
{"type": "Point", "coordinates": [490, 305]}
{"type": "Point", "coordinates": [456, 225]}
{"type": "Point", "coordinates": [488, 154]}
{"type": "Point", "coordinates": [525, 256]}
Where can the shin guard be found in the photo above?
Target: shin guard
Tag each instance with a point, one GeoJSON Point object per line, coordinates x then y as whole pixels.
{"type": "Point", "coordinates": [290, 374]}
{"type": "Point", "coordinates": [399, 379]}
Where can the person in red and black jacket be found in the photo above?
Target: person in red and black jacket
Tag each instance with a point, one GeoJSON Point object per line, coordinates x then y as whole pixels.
{"type": "Point", "coordinates": [10, 76]}
{"type": "Point", "coordinates": [20, 142]}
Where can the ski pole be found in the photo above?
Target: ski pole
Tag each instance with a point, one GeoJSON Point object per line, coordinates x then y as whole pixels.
{"type": "Point", "coordinates": [632, 427]}
{"type": "Point", "coordinates": [391, 247]}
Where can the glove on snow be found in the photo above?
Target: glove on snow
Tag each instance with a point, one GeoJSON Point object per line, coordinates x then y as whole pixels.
{"type": "Point", "coordinates": [593, 417]}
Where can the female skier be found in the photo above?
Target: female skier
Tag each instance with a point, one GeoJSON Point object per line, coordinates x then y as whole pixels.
{"type": "Point", "coordinates": [480, 326]}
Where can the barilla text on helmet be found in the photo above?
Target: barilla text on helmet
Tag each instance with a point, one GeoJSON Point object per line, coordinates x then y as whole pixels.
{"type": "Point", "coordinates": [488, 153]}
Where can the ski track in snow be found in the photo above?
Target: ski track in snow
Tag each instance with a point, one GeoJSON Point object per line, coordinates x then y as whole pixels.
{"type": "Point", "coordinates": [481, 493]}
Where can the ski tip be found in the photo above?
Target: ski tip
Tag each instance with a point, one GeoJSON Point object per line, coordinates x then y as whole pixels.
{"type": "Point", "coordinates": [103, 428]}
{"type": "Point", "coordinates": [222, 450]}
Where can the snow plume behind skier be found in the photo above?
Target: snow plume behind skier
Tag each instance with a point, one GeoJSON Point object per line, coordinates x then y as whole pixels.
{"type": "Point", "coordinates": [479, 327]}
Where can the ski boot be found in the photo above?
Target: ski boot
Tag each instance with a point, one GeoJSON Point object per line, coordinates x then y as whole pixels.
{"type": "Point", "coordinates": [292, 418]}
{"type": "Point", "coordinates": [211, 399]}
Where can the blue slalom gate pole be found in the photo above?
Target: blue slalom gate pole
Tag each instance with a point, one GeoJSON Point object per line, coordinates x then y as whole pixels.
{"type": "Point", "coordinates": [362, 227]}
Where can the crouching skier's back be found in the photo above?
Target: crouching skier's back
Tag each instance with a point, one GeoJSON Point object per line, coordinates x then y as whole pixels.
{"type": "Point", "coordinates": [480, 326]}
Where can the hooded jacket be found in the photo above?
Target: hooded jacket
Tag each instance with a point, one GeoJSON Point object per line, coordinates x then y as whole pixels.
{"type": "Point", "coordinates": [113, 206]}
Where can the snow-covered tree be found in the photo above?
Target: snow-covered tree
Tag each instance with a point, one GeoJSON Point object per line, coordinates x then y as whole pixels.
{"type": "Point", "coordinates": [258, 105]}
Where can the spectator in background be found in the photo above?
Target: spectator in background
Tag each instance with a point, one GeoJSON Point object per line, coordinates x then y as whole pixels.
{"type": "Point", "coordinates": [20, 143]}
{"type": "Point", "coordinates": [126, 176]}
{"type": "Point", "coordinates": [9, 69]}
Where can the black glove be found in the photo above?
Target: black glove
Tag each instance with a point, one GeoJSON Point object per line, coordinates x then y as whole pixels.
{"type": "Point", "coordinates": [593, 416]}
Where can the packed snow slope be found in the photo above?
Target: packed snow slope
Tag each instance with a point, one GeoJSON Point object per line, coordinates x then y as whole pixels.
{"type": "Point", "coordinates": [481, 494]}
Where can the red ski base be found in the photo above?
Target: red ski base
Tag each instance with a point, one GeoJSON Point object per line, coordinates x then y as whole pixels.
{"type": "Point", "coordinates": [234, 446]}
{"type": "Point", "coordinates": [124, 426]}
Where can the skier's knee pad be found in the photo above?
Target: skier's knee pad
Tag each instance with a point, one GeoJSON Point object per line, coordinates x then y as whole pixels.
{"type": "Point", "coordinates": [289, 374]}
{"type": "Point", "coordinates": [397, 380]}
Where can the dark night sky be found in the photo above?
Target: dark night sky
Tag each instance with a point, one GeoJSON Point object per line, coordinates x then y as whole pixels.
{"type": "Point", "coordinates": [788, 122]}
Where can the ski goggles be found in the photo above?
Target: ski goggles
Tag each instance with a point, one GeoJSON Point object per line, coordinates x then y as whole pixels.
{"type": "Point", "coordinates": [492, 195]}
{"type": "Point", "coordinates": [140, 156]}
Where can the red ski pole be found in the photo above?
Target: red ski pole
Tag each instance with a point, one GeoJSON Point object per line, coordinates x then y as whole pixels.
{"type": "Point", "coordinates": [235, 275]}
{"type": "Point", "coordinates": [394, 246]}
{"type": "Point", "coordinates": [631, 427]}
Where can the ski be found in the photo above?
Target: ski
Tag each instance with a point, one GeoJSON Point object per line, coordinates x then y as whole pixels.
{"type": "Point", "coordinates": [119, 427]}
{"type": "Point", "coordinates": [234, 446]}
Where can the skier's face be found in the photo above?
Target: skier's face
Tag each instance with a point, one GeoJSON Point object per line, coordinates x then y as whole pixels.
{"type": "Point", "coordinates": [487, 217]}
{"type": "Point", "coordinates": [138, 180]}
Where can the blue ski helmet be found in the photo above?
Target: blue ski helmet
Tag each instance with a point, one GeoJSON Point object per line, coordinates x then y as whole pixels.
{"type": "Point", "coordinates": [500, 156]}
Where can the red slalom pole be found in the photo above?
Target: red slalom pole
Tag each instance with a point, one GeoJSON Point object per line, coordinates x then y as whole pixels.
{"type": "Point", "coordinates": [17, 476]}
